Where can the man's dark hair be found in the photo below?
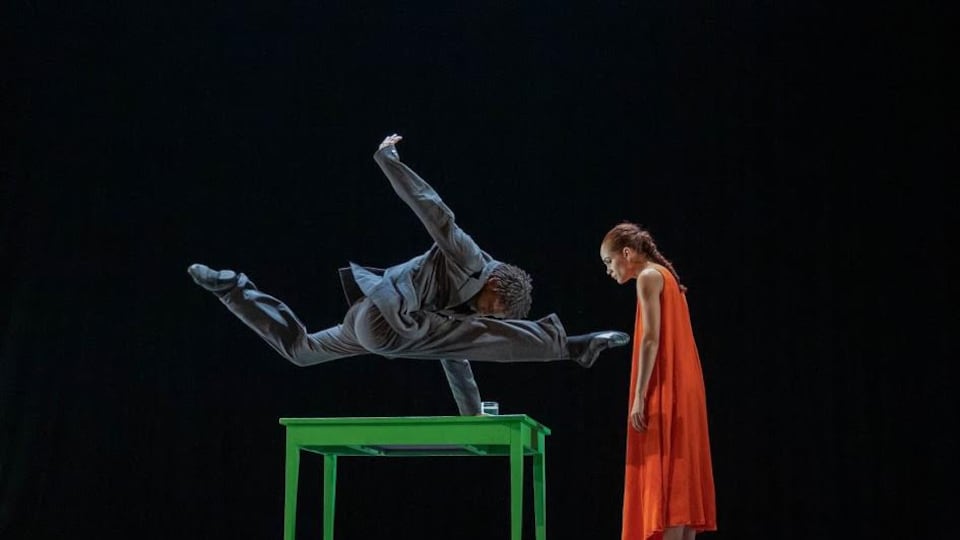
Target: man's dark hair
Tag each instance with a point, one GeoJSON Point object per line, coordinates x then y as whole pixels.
{"type": "Point", "coordinates": [514, 287]}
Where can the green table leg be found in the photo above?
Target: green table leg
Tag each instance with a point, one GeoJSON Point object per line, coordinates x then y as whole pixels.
{"type": "Point", "coordinates": [516, 486]}
{"type": "Point", "coordinates": [329, 493]}
{"type": "Point", "coordinates": [290, 491]}
{"type": "Point", "coordinates": [540, 488]}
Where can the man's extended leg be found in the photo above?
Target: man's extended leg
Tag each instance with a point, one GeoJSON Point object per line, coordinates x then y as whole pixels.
{"type": "Point", "coordinates": [484, 339]}
{"type": "Point", "coordinates": [275, 322]}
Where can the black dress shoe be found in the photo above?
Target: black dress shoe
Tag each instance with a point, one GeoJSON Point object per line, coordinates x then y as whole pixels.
{"type": "Point", "coordinates": [585, 348]}
{"type": "Point", "coordinates": [213, 280]}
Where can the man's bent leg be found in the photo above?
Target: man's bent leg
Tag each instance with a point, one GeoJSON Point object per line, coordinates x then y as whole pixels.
{"type": "Point", "coordinates": [276, 323]}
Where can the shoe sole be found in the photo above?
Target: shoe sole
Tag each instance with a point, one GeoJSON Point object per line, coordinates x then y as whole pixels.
{"type": "Point", "coordinates": [615, 339]}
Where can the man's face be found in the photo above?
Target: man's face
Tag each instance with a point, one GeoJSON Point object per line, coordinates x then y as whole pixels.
{"type": "Point", "coordinates": [488, 301]}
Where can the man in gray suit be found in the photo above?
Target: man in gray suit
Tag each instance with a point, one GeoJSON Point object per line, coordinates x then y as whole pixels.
{"type": "Point", "coordinates": [454, 303]}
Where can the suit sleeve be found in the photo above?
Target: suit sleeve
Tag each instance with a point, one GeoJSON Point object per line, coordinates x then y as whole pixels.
{"type": "Point", "coordinates": [436, 217]}
{"type": "Point", "coordinates": [463, 386]}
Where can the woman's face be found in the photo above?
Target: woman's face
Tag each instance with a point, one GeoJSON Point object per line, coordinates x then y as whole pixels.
{"type": "Point", "coordinates": [619, 263]}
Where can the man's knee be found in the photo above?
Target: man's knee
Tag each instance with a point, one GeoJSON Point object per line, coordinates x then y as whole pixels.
{"type": "Point", "coordinates": [305, 356]}
{"type": "Point", "coordinates": [300, 360]}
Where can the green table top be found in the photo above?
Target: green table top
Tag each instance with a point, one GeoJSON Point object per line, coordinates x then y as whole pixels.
{"type": "Point", "coordinates": [417, 420]}
{"type": "Point", "coordinates": [417, 435]}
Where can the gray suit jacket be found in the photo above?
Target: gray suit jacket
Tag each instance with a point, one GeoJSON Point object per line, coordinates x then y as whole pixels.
{"type": "Point", "coordinates": [450, 273]}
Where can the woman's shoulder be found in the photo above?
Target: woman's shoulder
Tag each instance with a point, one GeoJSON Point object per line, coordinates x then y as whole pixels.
{"type": "Point", "coordinates": [650, 279]}
{"type": "Point", "coordinates": [653, 272]}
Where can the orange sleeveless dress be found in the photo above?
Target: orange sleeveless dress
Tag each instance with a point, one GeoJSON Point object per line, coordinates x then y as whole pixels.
{"type": "Point", "coordinates": [669, 476]}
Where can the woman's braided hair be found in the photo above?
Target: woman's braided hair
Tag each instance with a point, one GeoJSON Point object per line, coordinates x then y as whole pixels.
{"type": "Point", "coordinates": [627, 234]}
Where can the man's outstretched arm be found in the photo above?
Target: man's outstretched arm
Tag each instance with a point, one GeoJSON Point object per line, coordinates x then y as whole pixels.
{"type": "Point", "coordinates": [436, 217]}
{"type": "Point", "coordinates": [463, 386]}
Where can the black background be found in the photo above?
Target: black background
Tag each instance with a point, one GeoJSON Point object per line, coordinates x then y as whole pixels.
{"type": "Point", "coordinates": [788, 157]}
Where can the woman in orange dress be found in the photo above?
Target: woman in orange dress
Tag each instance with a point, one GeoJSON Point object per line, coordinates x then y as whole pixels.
{"type": "Point", "coordinates": [668, 485]}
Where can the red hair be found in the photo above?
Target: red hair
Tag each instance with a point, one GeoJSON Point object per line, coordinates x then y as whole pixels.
{"type": "Point", "coordinates": [633, 236]}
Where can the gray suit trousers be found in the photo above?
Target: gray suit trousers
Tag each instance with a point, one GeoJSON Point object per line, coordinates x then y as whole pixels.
{"type": "Point", "coordinates": [365, 331]}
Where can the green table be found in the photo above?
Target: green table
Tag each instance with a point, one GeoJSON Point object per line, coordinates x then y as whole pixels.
{"type": "Point", "coordinates": [514, 435]}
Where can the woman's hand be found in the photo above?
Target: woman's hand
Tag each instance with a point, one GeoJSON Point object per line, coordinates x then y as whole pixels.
{"type": "Point", "coordinates": [638, 416]}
